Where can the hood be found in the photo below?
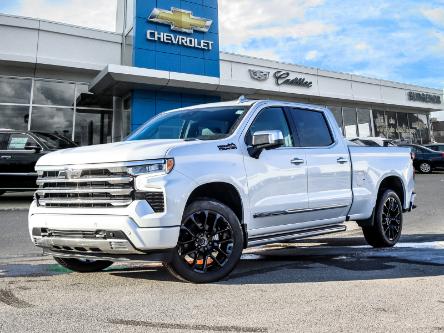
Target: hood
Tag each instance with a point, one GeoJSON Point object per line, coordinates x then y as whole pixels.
{"type": "Point", "coordinates": [114, 152]}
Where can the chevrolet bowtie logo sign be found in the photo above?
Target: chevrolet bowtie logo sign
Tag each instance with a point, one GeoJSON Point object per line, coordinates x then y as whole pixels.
{"type": "Point", "coordinates": [180, 20]}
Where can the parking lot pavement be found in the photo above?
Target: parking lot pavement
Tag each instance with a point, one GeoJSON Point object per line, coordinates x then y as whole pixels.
{"type": "Point", "coordinates": [333, 283]}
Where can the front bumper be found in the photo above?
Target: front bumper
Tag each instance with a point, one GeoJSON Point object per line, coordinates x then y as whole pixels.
{"type": "Point", "coordinates": [104, 235]}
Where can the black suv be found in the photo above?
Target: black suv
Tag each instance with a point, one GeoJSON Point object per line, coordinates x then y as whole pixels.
{"type": "Point", "coordinates": [20, 151]}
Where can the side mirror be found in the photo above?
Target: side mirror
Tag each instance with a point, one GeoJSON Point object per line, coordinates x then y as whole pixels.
{"type": "Point", "coordinates": [37, 149]}
{"type": "Point", "coordinates": [265, 140]}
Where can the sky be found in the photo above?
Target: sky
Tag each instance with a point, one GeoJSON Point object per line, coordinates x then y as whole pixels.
{"type": "Point", "coordinates": [397, 40]}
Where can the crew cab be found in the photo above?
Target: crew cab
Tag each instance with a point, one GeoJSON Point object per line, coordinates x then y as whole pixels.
{"type": "Point", "coordinates": [20, 151]}
{"type": "Point", "coordinates": [193, 187]}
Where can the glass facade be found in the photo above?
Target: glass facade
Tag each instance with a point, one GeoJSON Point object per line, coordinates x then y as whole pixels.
{"type": "Point", "coordinates": [68, 109]}
{"type": "Point", "coordinates": [361, 122]}
{"type": "Point", "coordinates": [60, 107]}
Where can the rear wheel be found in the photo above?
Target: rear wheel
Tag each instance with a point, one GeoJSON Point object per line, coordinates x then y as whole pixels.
{"type": "Point", "coordinates": [425, 167]}
{"type": "Point", "coordinates": [83, 266]}
{"type": "Point", "coordinates": [387, 224]}
{"type": "Point", "coordinates": [210, 243]}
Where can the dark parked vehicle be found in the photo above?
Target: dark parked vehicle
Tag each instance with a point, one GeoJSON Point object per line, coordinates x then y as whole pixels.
{"type": "Point", "coordinates": [436, 146]}
{"type": "Point", "coordinates": [19, 152]}
{"type": "Point", "coordinates": [425, 159]}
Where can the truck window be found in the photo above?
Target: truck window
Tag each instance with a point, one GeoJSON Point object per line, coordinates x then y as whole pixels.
{"type": "Point", "coordinates": [268, 120]}
{"type": "Point", "coordinates": [202, 124]}
{"type": "Point", "coordinates": [312, 127]}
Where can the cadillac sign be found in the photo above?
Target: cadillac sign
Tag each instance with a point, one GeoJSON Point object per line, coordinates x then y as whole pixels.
{"type": "Point", "coordinates": [281, 78]}
{"type": "Point", "coordinates": [182, 21]}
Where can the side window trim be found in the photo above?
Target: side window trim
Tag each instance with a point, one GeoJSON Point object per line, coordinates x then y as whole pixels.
{"type": "Point", "coordinates": [331, 132]}
{"type": "Point", "coordinates": [288, 119]}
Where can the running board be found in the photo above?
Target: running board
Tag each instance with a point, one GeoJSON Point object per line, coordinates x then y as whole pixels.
{"type": "Point", "coordinates": [304, 233]}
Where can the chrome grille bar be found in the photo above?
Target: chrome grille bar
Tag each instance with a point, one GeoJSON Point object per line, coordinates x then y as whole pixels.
{"type": "Point", "coordinates": [90, 187]}
{"type": "Point", "coordinates": [115, 180]}
{"type": "Point", "coordinates": [64, 190]}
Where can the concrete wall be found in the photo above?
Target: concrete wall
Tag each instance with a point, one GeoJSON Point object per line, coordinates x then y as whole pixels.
{"type": "Point", "coordinates": [41, 45]}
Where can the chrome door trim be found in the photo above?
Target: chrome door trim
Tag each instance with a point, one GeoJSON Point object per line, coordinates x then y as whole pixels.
{"type": "Point", "coordinates": [297, 211]}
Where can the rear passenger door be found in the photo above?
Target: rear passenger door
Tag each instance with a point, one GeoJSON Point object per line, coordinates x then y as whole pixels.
{"type": "Point", "coordinates": [328, 166]}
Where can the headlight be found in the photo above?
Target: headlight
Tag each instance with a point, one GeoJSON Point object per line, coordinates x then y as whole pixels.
{"type": "Point", "coordinates": [157, 167]}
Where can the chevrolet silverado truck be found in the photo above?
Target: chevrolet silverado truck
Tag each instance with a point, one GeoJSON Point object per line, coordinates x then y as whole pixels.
{"type": "Point", "coordinates": [194, 187]}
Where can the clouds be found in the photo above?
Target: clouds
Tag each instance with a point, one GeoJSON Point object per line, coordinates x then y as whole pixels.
{"type": "Point", "coordinates": [393, 40]}
{"type": "Point", "coordinates": [98, 14]}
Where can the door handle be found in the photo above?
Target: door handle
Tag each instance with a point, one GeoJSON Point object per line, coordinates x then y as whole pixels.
{"type": "Point", "coordinates": [297, 161]}
{"type": "Point", "coordinates": [342, 160]}
{"type": "Point", "coordinates": [5, 157]}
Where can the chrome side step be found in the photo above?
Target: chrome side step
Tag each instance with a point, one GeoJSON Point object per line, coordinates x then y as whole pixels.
{"type": "Point", "coordinates": [299, 234]}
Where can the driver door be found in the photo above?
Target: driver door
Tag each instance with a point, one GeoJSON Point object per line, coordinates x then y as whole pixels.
{"type": "Point", "coordinates": [277, 180]}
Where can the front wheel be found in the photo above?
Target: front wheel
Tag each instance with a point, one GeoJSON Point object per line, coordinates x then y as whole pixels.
{"type": "Point", "coordinates": [425, 167]}
{"type": "Point", "coordinates": [387, 221]}
{"type": "Point", "coordinates": [83, 266]}
{"type": "Point", "coordinates": [210, 243]}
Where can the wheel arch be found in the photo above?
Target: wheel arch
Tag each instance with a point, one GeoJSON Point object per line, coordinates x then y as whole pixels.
{"type": "Point", "coordinates": [388, 182]}
{"type": "Point", "coordinates": [225, 193]}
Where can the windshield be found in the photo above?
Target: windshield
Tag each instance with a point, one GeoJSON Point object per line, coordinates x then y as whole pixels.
{"type": "Point", "coordinates": [54, 141]}
{"type": "Point", "coordinates": [201, 124]}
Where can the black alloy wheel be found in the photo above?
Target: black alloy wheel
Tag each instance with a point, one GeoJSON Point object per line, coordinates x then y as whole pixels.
{"type": "Point", "coordinates": [210, 243]}
{"type": "Point", "coordinates": [387, 221]}
{"type": "Point", "coordinates": [392, 218]}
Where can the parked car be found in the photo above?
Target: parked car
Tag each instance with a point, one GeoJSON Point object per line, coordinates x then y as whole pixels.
{"type": "Point", "coordinates": [426, 160]}
{"type": "Point", "coordinates": [373, 142]}
{"type": "Point", "coordinates": [436, 146]}
{"type": "Point", "coordinates": [19, 152]}
{"type": "Point", "coordinates": [193, 187]}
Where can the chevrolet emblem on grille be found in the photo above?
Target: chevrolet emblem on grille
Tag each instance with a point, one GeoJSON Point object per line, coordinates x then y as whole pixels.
{"type": "Point", "coordinates": [180, 20]}
{"type": "Point", "coordinates": [70, 174]}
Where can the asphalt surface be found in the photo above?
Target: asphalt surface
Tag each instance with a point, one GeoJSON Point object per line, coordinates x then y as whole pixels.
{"type": "Point", "coordinates": [327, 284]}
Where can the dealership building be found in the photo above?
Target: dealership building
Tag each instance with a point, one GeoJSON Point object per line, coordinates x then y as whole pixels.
{"type": "Point", "coordinates": [97, 86]}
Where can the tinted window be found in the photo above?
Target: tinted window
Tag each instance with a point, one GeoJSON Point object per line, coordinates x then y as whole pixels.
{"type": "Point", "coordinates": [202, 124]}
{"type": "Point", "coordinates": [312, 127]}
{"type": "Point", "coordinates": [269, 120]}
{"type": "Point", "coordinates": [4, 138]}
{"type": "Point", "coordinates": [20, 142]}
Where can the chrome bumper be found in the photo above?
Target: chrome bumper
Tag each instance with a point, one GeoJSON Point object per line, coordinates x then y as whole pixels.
{"type": "Point", "coordinates": [86, 246]}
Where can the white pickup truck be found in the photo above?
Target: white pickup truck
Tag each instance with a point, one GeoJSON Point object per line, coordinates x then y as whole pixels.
{"type": "Point", "coordinates": [194, 187]}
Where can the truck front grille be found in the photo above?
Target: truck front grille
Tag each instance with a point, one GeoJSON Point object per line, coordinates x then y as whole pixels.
{"type": "Point", "coordinates": [86, 188]}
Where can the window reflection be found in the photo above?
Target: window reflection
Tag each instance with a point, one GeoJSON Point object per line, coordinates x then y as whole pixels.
{"type": "Point", "coordinates": [403, 129]}
{"type": "Point", "coordinates": [364, 123]}
{"type": "Point", "coordinates": [54, 120]}
{"type": "Point", "coordinates": [350, 123]}
{"type": "Point", "coordinates": [17, 91]}
{"type": "Point", "coordinates": [337, 112]}
{"type": "Point", "coordinates": [391, 125]}
{"type": "Point", "coordinates": [14, 117]}
{"type": "Point", "coordinates": [53, 93]}
{"type": "Point", "coordinates": [93, 127]}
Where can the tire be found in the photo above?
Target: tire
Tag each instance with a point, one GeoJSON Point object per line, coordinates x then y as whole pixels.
{"type": "Point", "coordinates": [210, 243]}
{"type": "Point", "coordinates": [83, 266]}
{"type": "Point", "coordinates": [387, 221]}
{"type": "Point", "coordinates": [425, 167]}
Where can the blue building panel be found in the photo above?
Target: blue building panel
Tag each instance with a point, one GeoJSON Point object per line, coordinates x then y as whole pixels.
{"type": "Point", "coordinates": [155, 54]}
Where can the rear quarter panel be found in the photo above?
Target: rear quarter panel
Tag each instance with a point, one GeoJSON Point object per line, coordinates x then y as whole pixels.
{"type": "Point", "coordinates": [371, 165]}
